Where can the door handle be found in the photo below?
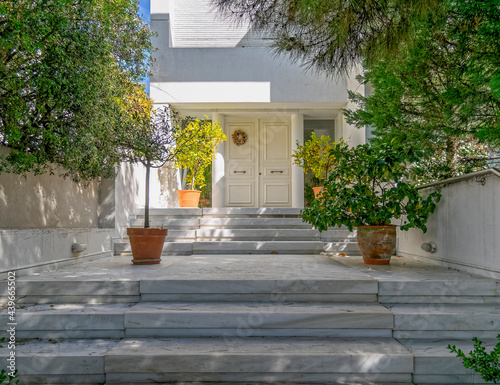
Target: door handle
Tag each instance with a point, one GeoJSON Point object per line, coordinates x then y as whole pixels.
{"type": "Point", "coordinates": [277, 172]}
{"type": "Point", "coordinates": [239, 172]}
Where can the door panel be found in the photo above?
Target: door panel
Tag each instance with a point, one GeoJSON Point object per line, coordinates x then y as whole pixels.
{"type": "Point", "coordinates": [258, 172]}
{"type": "Point", "coordinates": [275, 164]}
{"type": "Point", "coordinates": [241, 165]}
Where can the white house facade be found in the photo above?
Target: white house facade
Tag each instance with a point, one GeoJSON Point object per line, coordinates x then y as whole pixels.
{"type": "Point", "coordinates": [206, 66]}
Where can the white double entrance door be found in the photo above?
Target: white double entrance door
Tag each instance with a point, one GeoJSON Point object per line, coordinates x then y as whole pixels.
{"type": "Point", "coordinates": [258, 163]}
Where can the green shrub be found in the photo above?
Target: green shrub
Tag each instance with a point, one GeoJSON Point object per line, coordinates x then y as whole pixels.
{"type": "Point", "coordinates": [482, 362]}
{"type": "Point", "coordinates": [369, 186]}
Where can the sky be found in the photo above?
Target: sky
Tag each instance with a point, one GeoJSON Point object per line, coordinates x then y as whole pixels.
{"type": "Point", "coordinates": [144, 8]}
{"type": "Point", "coordinates": [144, 11]}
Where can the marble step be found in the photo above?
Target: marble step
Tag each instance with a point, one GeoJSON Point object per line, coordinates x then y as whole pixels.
{"type": "Point", "coordinates": [435, 364]}
{"type": "Point", "coordinates": [169, 248]}
{"type": "Point", "coordinates": [173, 223]}
{"type": "Point", "coordinates": [273, 360]}
{"type": "Point", "coordinates": [156, 319]}
{"type": "Point", "coordinates": [253, 223]}
{"type": "Point", "coordinates": [71, 361]}
{"type": "Point", "coordinates": [172, 236]}
{"type": "Point", "coordinates": [184, 212]}
{"type": "Point", "coordinates": [248, 212]}
{"type": "Point", "coordinates": [235, 320]}
{"type": "Point", "coordinates": [337, 248]}
{"type": "Point", "coordinates": [256, 247]}
{"type": "Point", "coordinates": [215, 360]}
{"type": "Point", "coordinates": [338, 234]}
{"type": "Point", "coordinates": [295, 287]}
{"type": "Point", "coordinates": [208, 234]}
{"type": "Point", "coordinates": [62, 321]}
{"type": "Point", "coordinates": [435, 291]}
{"type": "Point", "coordinates": [446, 320]}
{"type": "Point", "coordinates": [73, 290]}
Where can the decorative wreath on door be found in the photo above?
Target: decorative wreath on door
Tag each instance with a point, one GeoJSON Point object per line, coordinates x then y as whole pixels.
{"type": "Point", "coordinates": [239, 137]}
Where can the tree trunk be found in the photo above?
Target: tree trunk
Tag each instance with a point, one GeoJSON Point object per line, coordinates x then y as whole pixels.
{"type": "Point", "coordinates": [146, 204]}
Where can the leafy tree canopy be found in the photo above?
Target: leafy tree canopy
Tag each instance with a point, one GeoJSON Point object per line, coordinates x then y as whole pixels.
{"type": "Point", "coordinates": [443, 98]}
{"type": "Point", "coordinates": [69, 74]}
{"type": "Point", "coordinates": [334, 35]}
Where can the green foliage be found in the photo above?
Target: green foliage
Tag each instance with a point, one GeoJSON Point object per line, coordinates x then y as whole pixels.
{"type": "Point", "coordinates": [68, 75]}
{"type": "Point", "coordinates": [369, 186]}
{"type": "Point", "coordinates": [315, 156]}
{"type": "Point", "coordinates": [6, 379]}
{"type": "Point", "coordinates": [334, 35]}
{"type": "Point", "coordinates": [482, 362]}
{"type": "Point", "coordinates": [197, 142]}
{"type": "Point", "coordinates": [442, 99]}
{"type": "Point", "coordinates": [152, 140]}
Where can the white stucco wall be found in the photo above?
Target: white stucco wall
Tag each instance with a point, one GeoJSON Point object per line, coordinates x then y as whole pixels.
{"type": "Point", "coordinates": [130, 191]}
{"type": "Point", "coordinates": [42, 216]}
{"type": "Point", "coordinates": [46, 201]}
{"type": "Point", "coordinates": [465, 227]}
{"type": "Point", "coordinates": [236, 74]}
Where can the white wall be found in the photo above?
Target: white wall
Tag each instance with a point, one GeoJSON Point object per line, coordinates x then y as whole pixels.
{"type": "Point", "coordinates": [465, 227]}
{"type": "Point", "coordinates": [46, 201]}
{"type": "Point", "coordinates": [34, 250]}
{"type": "Point", "coordinates": [130, 191]}
{"type": "Point", "coordinates": [237, 74]}
{"type": "Point", "coordinates": [42, 216]}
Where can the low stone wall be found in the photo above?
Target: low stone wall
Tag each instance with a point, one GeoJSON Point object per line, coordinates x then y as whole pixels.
{"type": "Point", "coordinates": [32, 250]}
{"type": "Point", "coordinates": [465, 226]}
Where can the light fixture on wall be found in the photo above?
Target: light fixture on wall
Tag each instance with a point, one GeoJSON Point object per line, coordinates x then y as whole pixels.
{"type": "Point", "coordinates": [430, 247]}
{"type": "Point", "coordinates": [78, 248]}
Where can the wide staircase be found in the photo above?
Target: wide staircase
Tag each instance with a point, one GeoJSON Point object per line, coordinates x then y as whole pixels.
{"type": "Point", "coordinates": [271, 315]}
{"type": "Point", "coordinates": [241, 231]}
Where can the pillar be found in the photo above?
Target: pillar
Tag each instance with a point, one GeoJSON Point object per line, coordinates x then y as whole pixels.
{"type": "Point", "coordinates": [218, 168]}
{"type": "Point", "coordinates": [297, 172]}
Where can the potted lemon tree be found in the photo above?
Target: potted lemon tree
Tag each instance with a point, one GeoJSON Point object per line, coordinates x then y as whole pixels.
{"type": "Point", "coordinates": [197, 141]}
{"type": "Point", "coordinates": [315, 156]}
{"type": "Point", "coordinates": [367, 189]}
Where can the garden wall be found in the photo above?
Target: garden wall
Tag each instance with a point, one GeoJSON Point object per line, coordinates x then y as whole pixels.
{"type": "Point", "coordinates": [465, 226]}
{"type": "Point", "coordinates": [42, 216]}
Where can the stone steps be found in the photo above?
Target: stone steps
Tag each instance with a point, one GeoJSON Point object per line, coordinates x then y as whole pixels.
{"type": "Point", "coordinates": [290, 319]}
{"type": "Point", "coordinates": [190, 360]}
{"type": "Point", "coordinates": [232, 320]}
{"type": "Point", "coordinates": [446, 320]}
{"type": "Point", "coordinates": [434, 364]}
{"type": "Point", "coordinates": [257, 234]}
{"type": "Point", "coordinates": [258, 247]}
{"type": "Point", "coordinates": [241, 231]}
{"type": "Point", "coordinates": [288, 360]}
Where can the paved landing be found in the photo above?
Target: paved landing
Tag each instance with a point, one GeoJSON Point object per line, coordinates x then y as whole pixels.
{"type": "Point", "coordinates": [263, 267]}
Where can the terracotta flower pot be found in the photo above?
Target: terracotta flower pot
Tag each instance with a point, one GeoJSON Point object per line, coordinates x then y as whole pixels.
{"type": "Point", "coordinates": [377, 243]}
{"type": "Point", "coordinates": [317, 191]}
{"type": "Point", "coordinates": [188, 198]}
{"type": "Point", "coordinates": [146, 244]}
